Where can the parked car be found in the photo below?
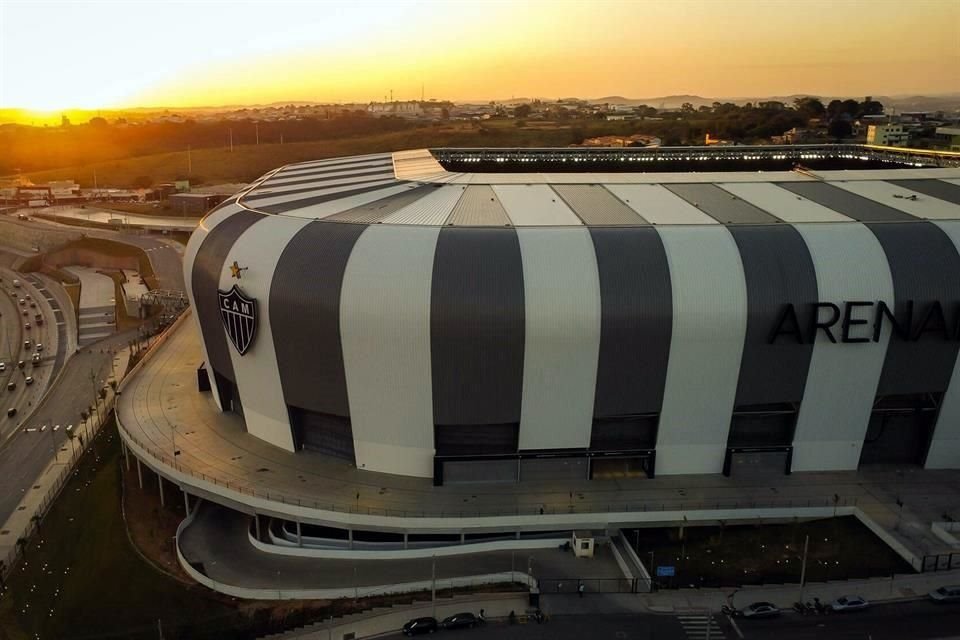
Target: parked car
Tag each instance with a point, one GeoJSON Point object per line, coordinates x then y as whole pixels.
{"type": "Point", "coordinates": [459, 620]}
{"type": "Point", "coordinates": [946, 594]}
{"type": "Point", "coordinates": [760, 610]}
{"type": "Point", "coordinates": [12, 411]}
{"type": "Point", "coordinates": [419, 626]}
{"type": "Point", "coordinates": [11, 385]}
{"type": "Point", "coordinates": [849, 603]}
{"type": "Point", "coordinates": [28, 380]}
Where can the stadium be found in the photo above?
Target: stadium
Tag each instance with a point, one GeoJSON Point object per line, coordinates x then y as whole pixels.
{"type": "Point", "coordinates": [544, 316]}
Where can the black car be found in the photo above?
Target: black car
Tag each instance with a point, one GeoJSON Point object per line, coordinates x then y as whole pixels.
{"type": "Point", "coordinates": [11, 386]}
{"type": "Point", "coordinates": [459, 620]}
{"type": "Point", "coordinates": [419, 626]}
{"type": "Point", "coordinates": [12, 411]}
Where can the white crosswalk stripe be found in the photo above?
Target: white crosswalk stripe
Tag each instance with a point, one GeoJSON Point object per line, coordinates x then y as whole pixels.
{"type": "Point", "coordinates": [695, 626]}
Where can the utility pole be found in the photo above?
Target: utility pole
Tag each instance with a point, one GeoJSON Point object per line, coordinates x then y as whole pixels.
{"type": "Point", "coordinates": [803, 567]}
{"type": "Point", "coordinates": [256, 129]}
{"type": "Point", "coordinates": [231, 139]}
{"type": "Point", "coordinates": [189, 161]}
{"type": "Point", "coordinates": [93, 384]}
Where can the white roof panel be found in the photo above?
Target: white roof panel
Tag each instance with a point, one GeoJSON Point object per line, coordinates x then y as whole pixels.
{"type": "Point", "coordinates": [658, 205]}
{"type": "Point", "coordinates": [431, 209]}
{"type": "Point", "coordinates": [330, 207]}
{"type": "Point", "coordinates": [535, 205]}
{"type": "Point", "coordinates": [280, 198]}
{"type": "Point", "coordinates": [916, 204]}
{"type": "Point", "coordinates": [783, 204]}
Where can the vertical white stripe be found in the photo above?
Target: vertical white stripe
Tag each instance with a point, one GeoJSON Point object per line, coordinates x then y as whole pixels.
{"type": "Point", "coordinates": [709, 326]}
{"type": "Point", "coordinates": [385, 333]}
{"type": "Point", "coordinates": [189, 257]}
{"type": "Point", "coordinates": [843, 377]}
{"type": "Point", "coordinates": [258, 382]}
{"type": "Point", "coordinates": [562, 341]}
{"type": "Point", "coordinates": [944, 450]}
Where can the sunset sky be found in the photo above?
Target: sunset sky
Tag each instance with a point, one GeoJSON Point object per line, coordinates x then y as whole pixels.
{"type": "Point", "coordinates": [56, 55]}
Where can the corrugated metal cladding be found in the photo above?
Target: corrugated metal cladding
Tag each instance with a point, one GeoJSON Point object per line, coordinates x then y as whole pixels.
{"type": "Point", "coordinates": [916, 204]}
{"type": "Point", "coordinates": [334, 177]}
{"type": "Point", "coordinates": [849, 204]}
{"type": "Point", "coordinates": [658, 206]}
{"type": "Point", "coordinates": [295, 203]}
{"type": "Point", "coordinates": [205, 281]}
{"type": "Point", "coordinates": [338, 166]}
{"type": "Point", "coordinates": [305, 316]}
{"type": "Point", "coordinates": [597, 206]}
{"type": "Point", "coordinates": [479, 207]}
{"type": "Point", "coordinates": [434, 208]}
{"type": "Point", "coordinates": [778, 270]}
{"type": "Point", "coordinates": [933, 188]}
{"type": "Point", "coordinates": [919, 253]}
{"type": "Point", "coordinates": [477, 327]}
{"type": "Point", "coordinates": [636, 321]}
{"type": "Point", "coordinates": [377, 210]}
{"type": "Point", "coordinates": [783, 204]}
{"type": "Point", "coordinates": [721, 205]}
{"type": "Point", "coordinates": [535, 205]}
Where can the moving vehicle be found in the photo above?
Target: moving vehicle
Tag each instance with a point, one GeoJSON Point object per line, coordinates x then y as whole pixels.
{"type": "Point", "coordinates": [36, 358]}
{"type": "Point", "coordinates": [21, 364]}
{"type": "Point", "coordinates": [22, 302]}
{"type": "Point", "coordinates": [760, 610]}
{"type": "Point", "coordinates": [28, 380]}
{"type": "Point", "coordinates": [419, 626]}
{"type": "Point", "coordinates": [27, 326]}
{"type": "Point", "coordinates": [39, 347]}
{"type": "Point", "coordinates": [3, 366]}
{"type": "Point", "coordinates": [39, 319]}
{"type": "Point", "coordinates": [16, 284]}
{"type": "Point", "coordinates": [11, 385]}
{"type": "Point", "coordinates": [27, 343]}
{"type": "Point", "coordinates": [460, 620]}
{"type": "Point", "coordinates": [945, 594]}
{"type": "Point", "coordinates": [849, 603]}
{"type": "Point", "coordinates": [12, 411]}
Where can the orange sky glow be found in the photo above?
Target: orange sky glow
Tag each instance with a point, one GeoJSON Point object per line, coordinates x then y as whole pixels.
{"type": "Point", "coordinates": [58, 55]}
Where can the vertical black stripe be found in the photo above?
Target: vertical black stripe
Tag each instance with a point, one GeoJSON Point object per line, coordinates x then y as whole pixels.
{"type": "Point", "coordinates": [305, 316]}
{"type": "Point", "coordinates": [205, 281]}
{"type": "Point", "coordinates": [636, 321]}
{"type": "Point", "coordinates": [778, 271]}
{"type": "Point", "coordinates": [477, 327]}
{"type": "Point", "coordinates": [924, 265]}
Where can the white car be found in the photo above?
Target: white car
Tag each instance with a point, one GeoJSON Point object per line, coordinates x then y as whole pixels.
{"type": "Point", "coordinates": [946, 594]}
{"type": "Point", "coordinates": [760, 610]}
{"type": "Point", "coordinates": [3, 366]}
{"type": "Point", "coordinates": [28, 380]}
{"type": "Point", "coordinates": [849, 603]}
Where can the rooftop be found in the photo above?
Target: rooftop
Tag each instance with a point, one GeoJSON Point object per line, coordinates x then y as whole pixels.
{"type": "Point", "coordinates": [616, 187]}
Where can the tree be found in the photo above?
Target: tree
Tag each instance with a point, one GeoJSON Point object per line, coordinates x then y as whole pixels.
{"type": "Point", "coordinates": [839, 129]}
{"type": "Point", "coordinates": [870, 107]}
{"type": "Point", "coordinates": [850, 107]}
{"type": "Point", "coordinates": [687, 107]}
{"type": "Point", "coordinates": [834, 109]}
{"type": "Point", "coordinates": [522, 111]}
{"type": "Point", "coordinates": [810, 107]}
{"type": "Point", "coordinates": [98, 122]}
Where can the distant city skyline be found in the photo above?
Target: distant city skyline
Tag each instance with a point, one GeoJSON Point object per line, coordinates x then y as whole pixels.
{"type": "Point", "coordinates": [63, 55]}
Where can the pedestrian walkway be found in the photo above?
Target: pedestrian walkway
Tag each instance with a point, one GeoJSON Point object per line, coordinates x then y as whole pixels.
{"type": "Point", "coordinates": [700, 627]}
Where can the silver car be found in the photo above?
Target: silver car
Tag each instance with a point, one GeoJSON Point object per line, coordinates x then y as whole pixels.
{"type": "Point", "coordinates": [849, 603]}
{"type": "Point", "coordinates": [946, 594]}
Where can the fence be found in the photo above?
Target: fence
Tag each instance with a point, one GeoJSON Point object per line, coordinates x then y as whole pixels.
{"type": "Point", "coordinates": [591, 585]}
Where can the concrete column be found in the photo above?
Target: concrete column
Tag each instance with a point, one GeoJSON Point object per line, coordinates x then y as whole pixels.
{"type": "Point", "coordinates": [256, 520]}
{"type": "Point", "coordinates": [350, 538]}
{"type": "Point", "coordinates": [139, 474]}
{"type": "Point", "coordinates": [406, 540]}
{"type": "Point", "coordinates": [160, 483]}
{"type": "Point", "coordinates": [518, 535]}
{"type": "Point", "coordinates": [186, 502]}
{"type": "Point", "coordinates": [126, 454]}
{"type": "Point", "coordinates": [299, 535]}
{"type": "Point", "coordinates": [463, 537]}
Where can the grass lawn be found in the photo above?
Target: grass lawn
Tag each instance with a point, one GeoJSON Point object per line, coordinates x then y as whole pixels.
{"type": "Point", "coordinates": [248, 162]}
{"type": "Point", "coordinates": [840, 548]}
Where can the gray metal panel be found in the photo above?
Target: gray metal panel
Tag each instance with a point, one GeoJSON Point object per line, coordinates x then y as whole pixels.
{"type": "Point", "coordinates": [562, 337]}
{"type": "Point", "coordinates": [379, 209]}
{"type": "Point", "coordinates": [709, 323]}
{"type": "Point", "coordinates": [842, 380]}
{"type": "Point", "coordinates": [385, 329]}
{"type": "Point", "coordinates": [278, 191]}
{"type": "Point", "coordinates": [313, 200]}
{"type": "Point", "coordinates": [477, 327]}
{"type": "Point", "coordinates": [721, 205]}
{"type": "Point", "coordinates": [933, 188]}
{"type": "Point", "coordinates": [479, 207]}
{"type": "Point", "coordinates": [205, 280]}
{"type": "Point", "coordinates": [305, 315]}
{"type": "Point", "coordinates": [849, 204]}
{"type": "Point", "coordinates": [636, 321]}
{"type": "Point", "coordinates": [786, 205]}
{"type": "Point", "coordinates": [597, 206]}
{"type": "Point", "coordinates": [778, 270]}
{"type": "Point", "coordinates": [336, 166]}
{"type": "Point", "coordinates": [944, 452]}
{"type": "Point", "coordinates": [359, 176]}
{"type": "Point", "coordinates": [925, 267]}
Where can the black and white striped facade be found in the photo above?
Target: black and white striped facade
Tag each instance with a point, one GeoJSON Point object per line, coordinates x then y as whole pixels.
{"type": "Point", "coordinates": [432, 323]}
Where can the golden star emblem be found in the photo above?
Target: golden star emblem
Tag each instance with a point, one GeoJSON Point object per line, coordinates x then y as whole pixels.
{"type": "Point", "coordinates": [236, 269]}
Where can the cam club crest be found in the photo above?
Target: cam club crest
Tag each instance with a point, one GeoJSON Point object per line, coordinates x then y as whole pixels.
{"type": "Point", "coordinates": [239, 314]}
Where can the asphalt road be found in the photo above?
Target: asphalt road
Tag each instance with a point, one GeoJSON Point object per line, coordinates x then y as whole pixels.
{"type": "Point", "coordinates": [895, 621]}
{"type": "Point", "coordinates": [580, 627]}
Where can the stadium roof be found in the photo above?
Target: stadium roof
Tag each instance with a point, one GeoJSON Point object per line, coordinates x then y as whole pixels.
{"type": "Point", "coordinates": [414, 188]}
